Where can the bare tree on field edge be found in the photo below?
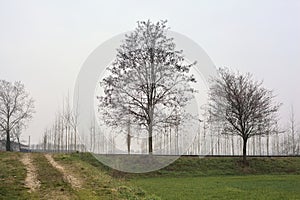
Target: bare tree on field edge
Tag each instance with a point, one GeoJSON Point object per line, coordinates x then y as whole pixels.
{"type": "Point", "coordinates": [16, 108]}
{"type": "Point", "coordinates": [243, 106]}
{"type": "Point", "coordinates": [148, 83]}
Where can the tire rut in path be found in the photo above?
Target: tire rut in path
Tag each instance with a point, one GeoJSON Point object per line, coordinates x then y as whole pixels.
{"type": "Point", "coordinates": [31, 180]}
{"type": "Point", "coordinates": [75, 183]}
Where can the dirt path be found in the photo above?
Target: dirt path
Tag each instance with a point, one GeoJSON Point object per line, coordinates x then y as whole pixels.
{"type": "Point", "coordinates": [75, 182]}
{"type": "Point", "coordinates": [31, 180]}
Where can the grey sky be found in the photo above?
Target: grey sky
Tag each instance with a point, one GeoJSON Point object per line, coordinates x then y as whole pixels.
{"type": "Point", "coordinates": [44, 43]}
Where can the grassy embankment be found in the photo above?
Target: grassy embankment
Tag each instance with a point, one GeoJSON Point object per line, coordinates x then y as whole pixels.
{"type": "Point", "coordinates": [225, 178]}
{"type": "Point", "coordinates": [218, 178]}
{"type": "Point", "coordinates": [187, 178]}
{"type": "Point", "coordinates": [96, 183]}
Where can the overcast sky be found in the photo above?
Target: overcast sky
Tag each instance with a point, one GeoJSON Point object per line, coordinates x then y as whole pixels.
{"type": "Point", "coordinates": [44, 43]}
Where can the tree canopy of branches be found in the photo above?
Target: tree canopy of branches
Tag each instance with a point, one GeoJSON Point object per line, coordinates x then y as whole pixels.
{"type": "Point", "coordinates": [16, 108]}
{"type": "Point", "coordinates": [242, 106]}
{"type": "Point", "coordinates": [148, 82]}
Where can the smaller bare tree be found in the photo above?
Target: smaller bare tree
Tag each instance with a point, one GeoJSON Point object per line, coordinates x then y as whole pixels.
{"type": "Point", "coordinates": [293, 131]}
{"type": "Point", "coordinates": [291, 143]}
{"type": "Point", "coordinates": [243, 105]}
{"type": "Point", "coordinates": [16, 107]}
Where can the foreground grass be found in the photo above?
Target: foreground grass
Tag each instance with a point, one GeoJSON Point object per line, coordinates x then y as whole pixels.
{"type": "Point", "coordinates": [53, 186]}
{"type": "Point", "coordinates": [96, 181]}
{"type": "Point", "coordinates": [12, 177]}
{"type": "Point", "coordinates": [187, 178]}
{"type": "Point", "coordinates": [222, 178]}
{"type": "Point", "coordinates": [225, 187]}
{"type": "Point", "coordinates": [217, 178]}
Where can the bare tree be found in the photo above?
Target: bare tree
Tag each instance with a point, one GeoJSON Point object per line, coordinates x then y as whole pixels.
{"type": "Point", "coordinates": [244, 106]}
{"type": "Point", "coordinates": [62, 135]}
{"type": "Point", "coordinates": [45, 140]}
{"type": "Point", "coordinates": [16, 107]}
{"type": "Point", "coordinates": [148, 82]}
{"type": "Point", "coordinates": [293, 132]}
{"type": "Point", "coordinates": [74, 124]}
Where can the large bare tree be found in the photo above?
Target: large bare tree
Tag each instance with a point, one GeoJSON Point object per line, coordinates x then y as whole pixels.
{"type": "Point", "coordinates": [16, 108]}
{"type": "Point", "coordinates": [242, 105]}
{"type": "Point", "coordinates": [148, 83]}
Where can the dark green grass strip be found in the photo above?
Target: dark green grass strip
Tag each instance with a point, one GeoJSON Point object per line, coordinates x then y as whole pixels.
{"type": "Point", "coordinates": [12, 177]}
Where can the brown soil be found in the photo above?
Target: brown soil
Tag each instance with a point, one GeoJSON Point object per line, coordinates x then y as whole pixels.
{"type": "Point", "coordinates": [31, 180]}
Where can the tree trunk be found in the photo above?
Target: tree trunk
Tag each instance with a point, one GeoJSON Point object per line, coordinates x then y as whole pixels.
{"type": "Point", "coordinates": [268, 144]}
{"type": "Point", "coordinates": [232, 145]}
{"type": "Point", "coordinates": [128, 139]}
{"type": "Point", "coordinates": [260, 145]}
{"type": "Point", "coordinates": [8, 141]}
{"type": "Point", "coordinates": [75, 142]}
{"type": "Point", "coordinates": [19, 144]}
{"type": "Point", "coordinates": [150, 139]}
{"type": "Point", "coordinates": [244, 150]}
{"type": "Point", "coordinates": [150, 129]}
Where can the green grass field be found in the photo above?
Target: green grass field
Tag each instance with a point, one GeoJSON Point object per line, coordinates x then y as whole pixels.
{"type": "Point", "coordinates": [224, 178]}
{"type": "Point", "coordinates": [218, 178]}
{"type": "Point", "coordinates": [223, 187]}
{"type": "Point", "coordinates": [187, 178]}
